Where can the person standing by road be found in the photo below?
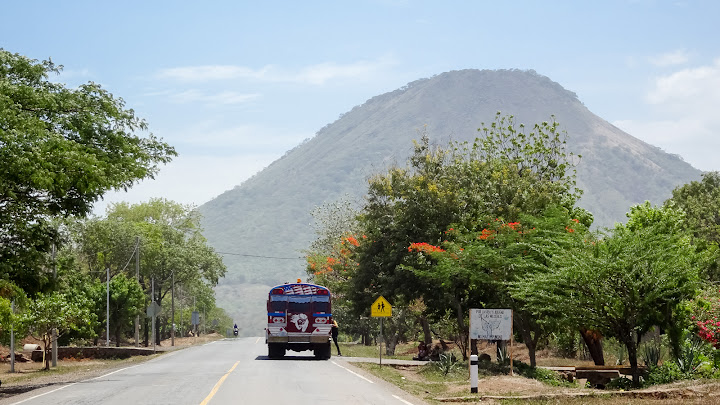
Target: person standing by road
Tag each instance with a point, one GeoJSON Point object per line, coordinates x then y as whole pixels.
{"type": "Point", "coordinates": [334, 332]}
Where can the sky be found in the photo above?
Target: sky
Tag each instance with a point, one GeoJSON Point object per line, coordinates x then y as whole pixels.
{"type": "Point", "coordinates": [233, 85]}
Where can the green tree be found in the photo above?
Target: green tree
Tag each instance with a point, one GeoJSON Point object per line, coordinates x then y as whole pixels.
{"type": "Point", "coordinates": [483, 264]}
{"type": "Point", "coordinates": [506, 173]}
{"type": "Point", "coordinates": [700, 200]}
{"type": "Point", "coordinates": [61, 149]}
{"type": "Point", "coordinates": [622, 285]}
{"type": "Point", "coordinates": [56, 311]}
{"type": "Point", "coordinates": [173, 249]}
{"type": "Point", "coordinates": [126, 301]}
{"type": "Point", "coordinates": [10, 293]}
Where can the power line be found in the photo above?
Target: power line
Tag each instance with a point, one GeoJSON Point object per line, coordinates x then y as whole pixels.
{"type": "Point", "coordinates": [261, 257]}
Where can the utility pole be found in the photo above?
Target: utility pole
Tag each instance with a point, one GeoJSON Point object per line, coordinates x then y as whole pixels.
{"type": "Point", "coordinates": [54, 346]}
{"type": "Point", "coordinates": [152, 282]}
{"type": "Point", "coordinates": [172, 310]}
{"type": "Point", "coordinates": [137, 277]}
{"type": "Point", "coordinates": [107, 309]}
{"type": "Point", "coordinates": [12, 337]}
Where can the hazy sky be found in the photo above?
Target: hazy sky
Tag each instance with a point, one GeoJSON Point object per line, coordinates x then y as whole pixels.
{"type": "Point", "coordinates": [233, 85]}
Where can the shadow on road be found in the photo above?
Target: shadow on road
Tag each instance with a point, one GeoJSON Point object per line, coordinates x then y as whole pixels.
{"type": "Point", "coordinates": [290, 358]}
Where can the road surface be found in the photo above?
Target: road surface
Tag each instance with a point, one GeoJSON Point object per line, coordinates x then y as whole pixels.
{"type": "Point", "coordinates": [229, 371]}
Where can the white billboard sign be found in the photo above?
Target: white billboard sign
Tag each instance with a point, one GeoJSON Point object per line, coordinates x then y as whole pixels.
{"type": "Point", "coordinates": [490, 324]}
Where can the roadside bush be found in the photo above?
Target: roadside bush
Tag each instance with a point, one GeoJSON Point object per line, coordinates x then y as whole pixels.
{"type": "Point", "coordinates": [447, 363]}
{"type": "Point", "coordinates": [691, 354]}
{"type": "Point", "coordinates": [652, 352]}
{"type": "Point", "coordinates": [620, 383]}
{"type": "Point", "coordinates": [666, 373]}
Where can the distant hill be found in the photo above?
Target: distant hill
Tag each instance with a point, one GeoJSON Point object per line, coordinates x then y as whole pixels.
{"type": "Point", "coordinates": [269, 214]}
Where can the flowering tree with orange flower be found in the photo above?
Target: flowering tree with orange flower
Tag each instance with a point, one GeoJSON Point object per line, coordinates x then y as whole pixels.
{"type": "Point", "coordinates": [486, 261]}
{"type": "Point", "coordinates": [510, 171]}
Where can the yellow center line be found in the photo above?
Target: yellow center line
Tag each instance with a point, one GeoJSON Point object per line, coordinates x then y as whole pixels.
{"type": "Point", "coordinates": [257, 340]}
{"type": "Point", "coordinates": [217, 386]}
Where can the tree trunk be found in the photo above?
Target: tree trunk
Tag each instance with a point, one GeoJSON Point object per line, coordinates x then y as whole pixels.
{"type": "Point", "coordinates": [146, 332]}
{"type": "Point", "coordinates": [531, 345]}
{"type": "Point", "coordinates": [462, 338]}
{"type": "Point", "coordinates": [157, 332]}
{"type": "Point", "coordinates": [427, 336]}
{"type": "Point", "coordinates": [593, 341]}
{"type": "Point", "coordinates": [526, 330]}
{"type": "Point", "coordinates": [632, 357]}
{"type": "Point", "coordinates": [473, 347]}
{"type": "Point", "coordinates": [390, 346]}
{"type": "Point", "coordinates": [46, 348]}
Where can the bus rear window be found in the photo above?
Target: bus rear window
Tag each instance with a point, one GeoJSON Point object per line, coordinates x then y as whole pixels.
{"type": "Point", "coordinates": [321, 307]}
{"type": "Point", "coordinates": [278, 303]}
{"type": "Point", "coordinates": [298, 305]}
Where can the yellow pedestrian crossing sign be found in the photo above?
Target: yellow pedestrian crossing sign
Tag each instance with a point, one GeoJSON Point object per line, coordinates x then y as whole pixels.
{"type": "Point", "coordinates": [381, 308]}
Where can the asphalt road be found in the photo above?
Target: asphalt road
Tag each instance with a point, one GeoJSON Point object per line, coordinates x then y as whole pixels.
{"type": "Point", "coordinates": [230, 371]}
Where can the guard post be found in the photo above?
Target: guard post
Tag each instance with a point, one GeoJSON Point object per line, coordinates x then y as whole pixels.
{"type": "Point", "coordinates": [474, 374]}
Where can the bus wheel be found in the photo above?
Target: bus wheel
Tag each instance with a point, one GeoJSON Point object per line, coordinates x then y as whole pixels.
{"type": "Point", "coordinates": [275, 351]}
{"type": "Point", "coordinates": [322, 352]}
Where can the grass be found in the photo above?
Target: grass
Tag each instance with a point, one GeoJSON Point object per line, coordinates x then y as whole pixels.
{"type": "Point", "coordinates": [359, 350]}
{"type": "Point", "coordinates": [426, 389]}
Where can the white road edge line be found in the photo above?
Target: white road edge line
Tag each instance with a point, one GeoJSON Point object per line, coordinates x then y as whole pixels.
{"type": "Point", "coordinates": [350, 371]}
{"type": "Point", "coordinates": [402, 400]}
{"type": "Point", "coordinates": [116, 371]}
{"type": "Point", "coordinates": [71, 384]}
{"type": "Point", "coordinates": [40, 395]}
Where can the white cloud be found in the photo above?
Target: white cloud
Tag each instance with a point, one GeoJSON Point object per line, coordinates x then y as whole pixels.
{"type": "Point", "coordinates": [222, 98]}
{"type": "Point", "coordinates": [314, 74]}
{"type": "Point", "coordinates": [684, 119]}
{"type": "Point", "coordinates": [674, 58]}
{"type": "Point", "coordinates": [211, 72]}
{"type": "Point", "coordinates": [689, 90]}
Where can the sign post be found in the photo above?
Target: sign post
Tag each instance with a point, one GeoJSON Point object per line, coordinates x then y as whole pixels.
{"type": "Point", "coordinates": [381, 308]}
{"type": "Point", "coordinates": [492, 324]}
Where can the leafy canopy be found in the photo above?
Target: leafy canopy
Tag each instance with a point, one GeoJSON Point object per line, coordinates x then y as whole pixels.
{"type": "Point", "coordinates": [624, 284]}
{"type": "Point", "coordinates": [61, 149]}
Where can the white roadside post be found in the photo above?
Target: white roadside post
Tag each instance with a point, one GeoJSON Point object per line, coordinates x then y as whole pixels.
{"type": "Point", "coordinates": [474, 373]}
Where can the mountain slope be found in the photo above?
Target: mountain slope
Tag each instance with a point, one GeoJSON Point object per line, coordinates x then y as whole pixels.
{"type": "Point", "coordinates": [269, 214]}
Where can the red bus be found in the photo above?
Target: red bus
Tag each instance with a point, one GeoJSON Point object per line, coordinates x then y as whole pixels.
{"type": "Point", "coordinates": [299, 317]}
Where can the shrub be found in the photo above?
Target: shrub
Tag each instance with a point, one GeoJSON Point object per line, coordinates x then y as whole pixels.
{"type": "Point", "coordinates": [666, 373]}
{"type": "Point", "coordinates": [691, 354]}
{"type": "Point", "coordinates": [651, 352]}
{"type": "Point", "coordinates": [447, 363]}
{"type": "Point", "coordinates": [620, 383]}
